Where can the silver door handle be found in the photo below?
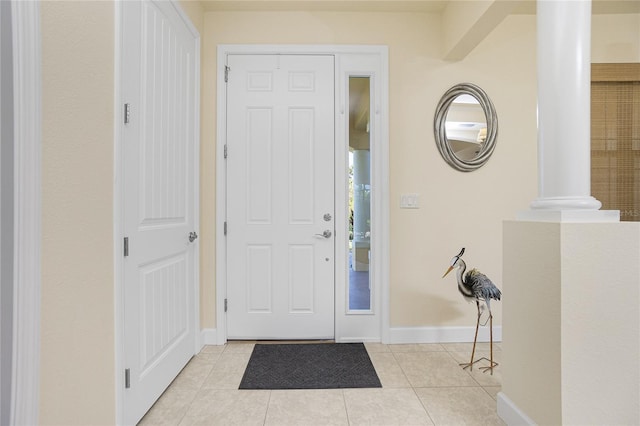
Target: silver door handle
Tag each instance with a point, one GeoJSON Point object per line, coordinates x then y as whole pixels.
{"type": "Point", "coordinates": [325, 234]}
{"type": "Point", "coordinates": [192, 236]}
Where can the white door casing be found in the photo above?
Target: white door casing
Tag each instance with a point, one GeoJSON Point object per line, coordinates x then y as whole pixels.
{"type": "Point", "coordinates": [21, 124]}
{"type": "Point", "coordinates": [280, 144]}
{"type": "Point", "coordinates": [372, 324]}
{"type": "Point", "coordinates": [369, 61]}
{"type": "Point", "coordinates": [159, 170]}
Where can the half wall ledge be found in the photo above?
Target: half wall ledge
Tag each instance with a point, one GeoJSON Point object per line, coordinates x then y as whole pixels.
{"type": "Point", "coordinates": [569, 216]}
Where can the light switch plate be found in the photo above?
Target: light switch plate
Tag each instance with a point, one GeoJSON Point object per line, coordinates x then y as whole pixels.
{"type": "Point", "coordinates": [410, 201]}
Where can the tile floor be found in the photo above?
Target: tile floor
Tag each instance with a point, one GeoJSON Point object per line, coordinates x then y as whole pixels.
{"type": "Point", "coordinates": [422, 384]}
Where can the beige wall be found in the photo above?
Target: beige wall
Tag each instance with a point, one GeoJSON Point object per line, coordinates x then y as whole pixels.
{"type": "Point", "coordinates": [616, 38]}
{"type": "Point", "coordinates": [458, 209]}
{"type": "Point", "coordinates": [77, 330]}
{"type": "Point", "coordinates": [195, 12]}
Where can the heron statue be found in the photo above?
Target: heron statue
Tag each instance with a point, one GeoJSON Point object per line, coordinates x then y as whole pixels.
{"type": "Point", "coordinates": [476, 286]}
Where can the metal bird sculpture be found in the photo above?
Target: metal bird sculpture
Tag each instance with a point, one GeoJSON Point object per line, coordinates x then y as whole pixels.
{"type": "Point", "coordinates": [475, 286]}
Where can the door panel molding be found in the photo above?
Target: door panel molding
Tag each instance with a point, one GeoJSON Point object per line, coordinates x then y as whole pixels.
{"type": "Point", "coordinates": [373, 61]}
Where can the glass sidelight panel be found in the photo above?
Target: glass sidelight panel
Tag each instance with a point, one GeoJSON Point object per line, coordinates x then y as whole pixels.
{"type": "Point", "coordinates": [359, 195]}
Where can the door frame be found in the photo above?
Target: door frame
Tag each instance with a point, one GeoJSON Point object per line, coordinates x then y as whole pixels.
{"type": "Point", "coordinates": [349, 61]}
{"type": "Point", "coordinates": [21, 239]}
{"type": "Point", "coordinates": [118, 201]}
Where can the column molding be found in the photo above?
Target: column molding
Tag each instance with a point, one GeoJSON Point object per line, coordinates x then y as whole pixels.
{"type": "Point", "coordinates": [564, 84]}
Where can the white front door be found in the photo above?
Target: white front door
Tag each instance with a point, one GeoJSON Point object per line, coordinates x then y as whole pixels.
{"type": "Point", "coordinates": [159, 156]}
{"type": "Point", "coordinates": [280, 197]}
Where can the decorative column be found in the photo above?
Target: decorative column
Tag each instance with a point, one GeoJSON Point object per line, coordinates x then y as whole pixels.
{"type": "Point", "coordinates": [564, 106]}
{"type": "Point", "coordinates": [564, 253]}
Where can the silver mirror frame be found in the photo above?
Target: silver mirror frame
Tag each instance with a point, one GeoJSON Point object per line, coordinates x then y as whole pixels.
{"type": "Point", "coordinates": [441, 136]}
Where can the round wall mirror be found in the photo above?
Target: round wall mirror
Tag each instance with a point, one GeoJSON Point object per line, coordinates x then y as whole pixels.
{"type": "Point", "coordinates": [465, 127]}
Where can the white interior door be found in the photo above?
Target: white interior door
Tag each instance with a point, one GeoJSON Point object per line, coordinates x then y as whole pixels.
{"type": "Point", "coordinates": [160, 85]}
{"type": "Point", "coordinates": [280, 197]}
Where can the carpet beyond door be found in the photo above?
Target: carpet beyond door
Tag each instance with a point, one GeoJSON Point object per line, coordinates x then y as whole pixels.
{"type": "Point", "coordinates": [310, 366]}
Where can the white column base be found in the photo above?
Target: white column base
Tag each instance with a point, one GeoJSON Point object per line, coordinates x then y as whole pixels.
{"type": "Point", "coordinates": [566, 203]}
{"type": "Point", "coordinates": [566, 216]}
{"type": "Point", "coordinates": [510, 413]}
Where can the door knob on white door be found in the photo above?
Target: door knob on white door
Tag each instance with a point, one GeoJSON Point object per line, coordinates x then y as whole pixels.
{"type": "Point", "coordinates": [192, 236]}
{"type": "Point", "coordinates": [325, 234]}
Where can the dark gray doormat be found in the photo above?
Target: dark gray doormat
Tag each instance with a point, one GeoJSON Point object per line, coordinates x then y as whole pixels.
{"type": "Point", "coordinates": [310, 366]}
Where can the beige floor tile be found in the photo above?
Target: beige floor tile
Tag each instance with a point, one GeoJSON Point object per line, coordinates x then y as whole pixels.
{"type": "Point", "coordinates": [388, 370]}
{"type": "Point", "coordinates": [426, 369]}
{"type": "Point", "coordinates": [239, 347]}
{"type": "Point", "coordinates": [483, 379]}
{"type": "Point", "coordinates": [210, 357]}
{"type": "Point", "coordinates": [227, 407]}
{"type": "Point", "coordinates": [459, 406]}
{"type": "Point", "coordinates": [417, 347]}
{"type": "Point", "coordinates": [467, 347]}
{"type": "Point", "coordinates": [386, 407]}
{"type": "Point", "coordinates": [212, 349]}
{"type": "Point", "coordinates": [206, 391]}
{"type": "Point", "coordinates": [211, 352]}
{"type": "Point", "coordinates": [376, 347]}
{"type": "Point", "coordinates": [220, 378]}
{"type": "Point", "coordinates": [193, 374]}
{"type": "Point", "coordinates": [493, 391]}
{"type": "Point", "coordinates": [227, 371]}
{"type": "Point", "coordinates": [232, 361]}
{"type": "Point", "coordinates": [307, 407]}
{"type": "Point", "coordinates": [171, 407]}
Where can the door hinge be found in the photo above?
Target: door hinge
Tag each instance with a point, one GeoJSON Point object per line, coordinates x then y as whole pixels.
{"type": "Point", "coordinates": [127, 113]}
{"type": "Point", "coordinates": [226, 73]}
{"type": "Point", "coordinates": [225, 151]}
{"type": "Point", "coordinates": [127, 378]}
{"type": "Point", "coordinates": [225, 228]}
{"type": "Point", "coordinates": [126, 246]}
{"type": "Point", "coordinates": [225, 305]}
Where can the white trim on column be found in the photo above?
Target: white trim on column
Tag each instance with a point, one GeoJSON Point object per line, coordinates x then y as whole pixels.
{"type": "Point", "coordinates": [27, 211]}
{"type": "Point", "coordinates": [510, 413]}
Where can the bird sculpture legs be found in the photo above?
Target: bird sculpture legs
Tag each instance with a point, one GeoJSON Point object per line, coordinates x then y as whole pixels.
{"type": "Point", "coordinates": [492, 364]}
{"type": "Point", "coordinates": [469, 364]}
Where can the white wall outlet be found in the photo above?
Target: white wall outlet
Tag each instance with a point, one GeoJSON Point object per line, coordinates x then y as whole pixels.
{"type": "Point", "coordinates": [410, 201]}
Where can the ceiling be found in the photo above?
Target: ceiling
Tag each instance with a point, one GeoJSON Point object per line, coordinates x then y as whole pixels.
{"type": "Point", "coordinates": [428, 6]}
{"type": "Point", "coordinates": [424, 6]}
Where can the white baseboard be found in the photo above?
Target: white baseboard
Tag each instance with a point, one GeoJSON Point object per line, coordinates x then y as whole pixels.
{"type": "Point", "coordinates": [358, 340]}
{"type": "Point", "coordinates": [510, 413]}
{"type": "Point", "coordinates": [441, 334]}
{"type": "Point", "coordinates": [399, 335]}
{"type": "Point", "coordinates": [208, 336]}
